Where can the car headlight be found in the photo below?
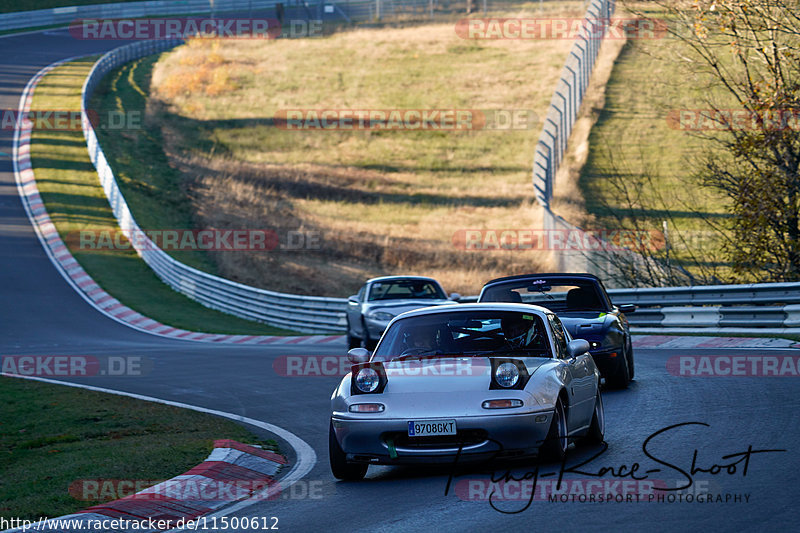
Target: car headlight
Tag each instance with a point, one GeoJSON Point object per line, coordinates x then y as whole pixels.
{"type": "Point", "coordinates": [367, 380]}
{"type": "Point", "coordinates": [380, 316]}
{"type": "Point", "coordinates": [506, 375]}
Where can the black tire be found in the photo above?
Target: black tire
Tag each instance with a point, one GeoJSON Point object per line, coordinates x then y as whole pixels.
{"type": "Point", "coordinates": [340, 468]}
{"type": "Point", "coordinates": [621, 379]}
{"type": "Point", "coordinates": [597, 429]}
{"type": "Point", "coordinates": [368, 343]}
{"type": "Point", "coordinates": [352, 341]}
{"type": "Point", "coordinates": [554, 447]}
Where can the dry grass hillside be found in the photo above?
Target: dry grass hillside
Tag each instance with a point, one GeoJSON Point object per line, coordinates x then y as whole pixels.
{"type": "Point", "coordinates": [383, 202]}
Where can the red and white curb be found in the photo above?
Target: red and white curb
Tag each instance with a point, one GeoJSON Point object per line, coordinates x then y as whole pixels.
{"type": "Point", "coordinates": [72, 271]}
{"type": "Point", "coordinates": [228, 463]}
{"type": "Point", "coordinates": [216, 482]}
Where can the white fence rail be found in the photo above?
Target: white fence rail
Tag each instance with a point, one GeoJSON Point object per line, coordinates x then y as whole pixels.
{"type": "Point", "coordinates": [561, 117]}
{"type": "Point", "coordinates": [309, 314]}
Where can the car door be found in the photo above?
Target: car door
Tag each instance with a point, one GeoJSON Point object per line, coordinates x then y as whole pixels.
{"type": "Point", "coordinates": [581, 379]}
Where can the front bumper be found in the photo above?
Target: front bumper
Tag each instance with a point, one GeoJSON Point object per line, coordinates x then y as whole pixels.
{"type": "Point", "coordinates": [375, 327]}
{"type": "Point", "coordinates": [608, 364]}
{"type": "Point", "coordinates": [480, 438]}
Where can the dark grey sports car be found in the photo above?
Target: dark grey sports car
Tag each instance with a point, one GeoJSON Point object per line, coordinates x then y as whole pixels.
{"type": "Point", "coordinates": [583, 305]}
{"type": "Point", "coordinates": [382, 299]}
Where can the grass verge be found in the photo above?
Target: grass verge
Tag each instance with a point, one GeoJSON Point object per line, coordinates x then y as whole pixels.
{"type": "Point", "coordinates": [75, 201]}
{"type": "Point", "coordinates": [53, 436]}
{"type": "Point", "coordinates": [642, 169]}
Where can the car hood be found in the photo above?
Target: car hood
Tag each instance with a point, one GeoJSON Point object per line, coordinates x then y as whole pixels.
{"type": "Point", "coordinates": [443, 386]}
{"type": "Point", "coordinates": [583, 323]}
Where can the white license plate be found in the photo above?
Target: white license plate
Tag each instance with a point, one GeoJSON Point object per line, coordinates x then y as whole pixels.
{"type": "Point", "coordinates": [427, 428]}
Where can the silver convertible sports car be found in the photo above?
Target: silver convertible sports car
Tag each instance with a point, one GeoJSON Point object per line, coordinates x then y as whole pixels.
{"type": "Point", "coordinates": [382, 299]}
{"type": "Point", "coordinates": [466, 382]}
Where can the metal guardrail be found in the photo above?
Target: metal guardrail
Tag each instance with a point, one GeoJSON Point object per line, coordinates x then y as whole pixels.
{"type": "Point", "coordinates": [756, 293]}
{"type": "Point", "coordinates": [308, 314]}
{"type": "Point", "coordinates": [749, 317]}
{"type": "Point", "coordinates": [699, 306]}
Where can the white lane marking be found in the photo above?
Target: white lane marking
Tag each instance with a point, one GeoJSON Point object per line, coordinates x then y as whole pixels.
{"type": "Point", "coordinates": [306, 457]}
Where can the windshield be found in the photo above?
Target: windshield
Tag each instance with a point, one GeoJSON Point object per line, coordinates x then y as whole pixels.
{"type": "Point", "coordinates": [405, 289]}
{"type": "Point", "coordinates": [556, 294]}
{"type": "Point", "coordinates": [468, 333]}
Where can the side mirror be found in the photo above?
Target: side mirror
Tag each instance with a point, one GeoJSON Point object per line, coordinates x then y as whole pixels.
{"type": "Point", "coordinates": [455, 296]}
{"type": "Point", "coordinates": [353, 299]}
{"type": "Point", "coordinates": [359, 355]}
{"type": "Point", "coordinates": [576, 347]}
{"type": "Point", "coordinates": [626, 308]}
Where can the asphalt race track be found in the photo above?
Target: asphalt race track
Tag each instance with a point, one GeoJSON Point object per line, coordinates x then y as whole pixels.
{"type": "Point", "coordinates": [42, 315]}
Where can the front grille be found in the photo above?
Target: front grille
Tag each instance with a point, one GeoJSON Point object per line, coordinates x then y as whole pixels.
{"type": "Point", "coordinates": [463, 437]}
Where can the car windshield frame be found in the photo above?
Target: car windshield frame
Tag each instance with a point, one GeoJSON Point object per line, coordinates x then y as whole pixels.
{"type": "Point", "coordinates": [436, 294]}
{"type": "Point", "coordinates": [559, 305]}
{"type": "Point", "coordinates": [466, 333]}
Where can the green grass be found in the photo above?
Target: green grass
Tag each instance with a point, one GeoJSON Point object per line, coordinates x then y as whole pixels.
{"type": "Point", "coordinates": [632, 140]}
{"type": "Point", "coordinates": [52, 436]}
{"type": "Point", "coordinates": [75, 201]}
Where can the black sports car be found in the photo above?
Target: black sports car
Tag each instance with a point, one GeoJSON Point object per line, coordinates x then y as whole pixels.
{"type": "Point", "coordinates": [583, 305]}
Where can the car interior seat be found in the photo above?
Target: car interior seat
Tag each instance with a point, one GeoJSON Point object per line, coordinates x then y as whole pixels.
{"type": "Point", "coordinates": [581, 298]}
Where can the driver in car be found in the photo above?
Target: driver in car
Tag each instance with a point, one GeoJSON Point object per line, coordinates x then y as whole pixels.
{"type": "Point", "coordinates": [421, 340]}
{"type": "Point", "coordinates": [519, 333]}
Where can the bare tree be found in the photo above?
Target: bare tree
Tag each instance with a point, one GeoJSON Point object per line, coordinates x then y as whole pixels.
{"type": "Point", "coordinates": [651, 256]}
